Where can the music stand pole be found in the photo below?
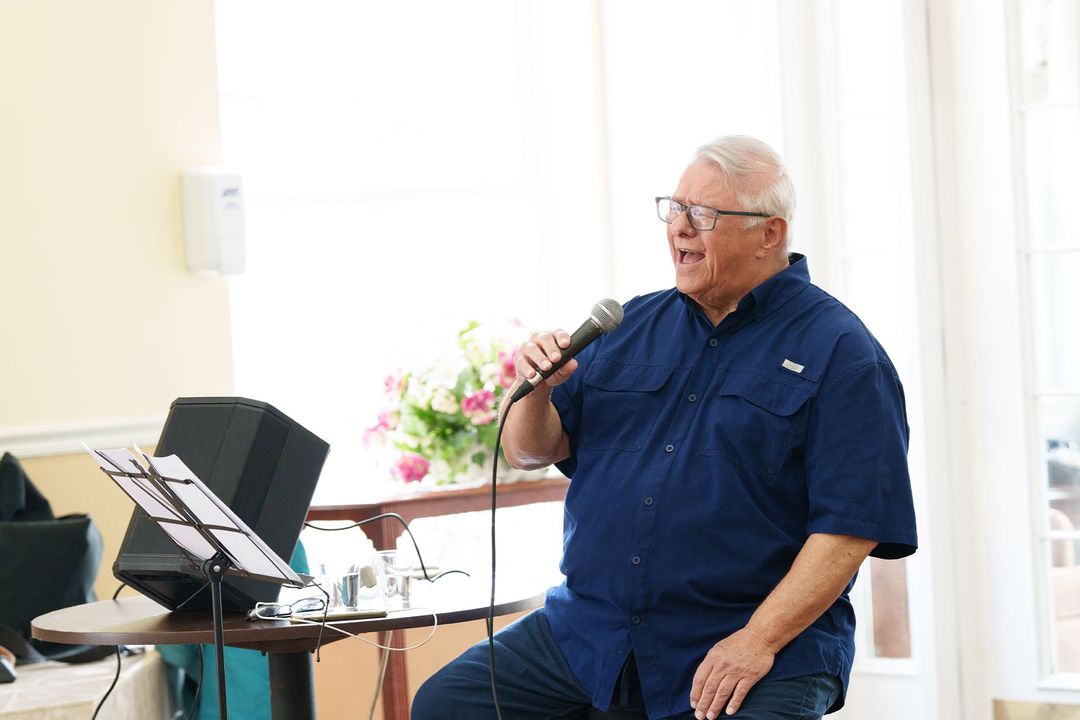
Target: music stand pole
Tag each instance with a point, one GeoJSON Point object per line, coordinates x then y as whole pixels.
{"type": "Point", "coordinates": [167, 491]}
{"type": "Point", "coordinates": [215, 568]}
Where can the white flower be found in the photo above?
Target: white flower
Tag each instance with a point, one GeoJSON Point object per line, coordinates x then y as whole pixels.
{"type": "Point", "coordinates": [418, 393]}
{"type": "Point", "coordinates": [489, 373]}
{"type": "Point", "coordinates": [444, 401]}
{"type": "Point", "coordinates": [439, 471]}
{"type": "Point", "coordinates": [476, 350]}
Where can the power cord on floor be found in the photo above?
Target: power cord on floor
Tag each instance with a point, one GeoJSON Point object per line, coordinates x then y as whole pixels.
{"type": "Point", "coordinates": [198, 687]}
{"type": "Point", "coordinates": [108, 692]}
{"type": "Point", "coordinates": [378, 683]}
{"type": "Point", "coordinates": [116, 677]}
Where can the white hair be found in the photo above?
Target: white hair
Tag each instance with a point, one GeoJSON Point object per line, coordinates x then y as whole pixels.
{"type": "Point", "coordinates": [756, 175]}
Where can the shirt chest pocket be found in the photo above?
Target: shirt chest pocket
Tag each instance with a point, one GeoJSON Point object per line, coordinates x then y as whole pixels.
{"type": "Point", "coordinates": [621, 403]}
{"type": "Point", "coordinates": [753, 421]}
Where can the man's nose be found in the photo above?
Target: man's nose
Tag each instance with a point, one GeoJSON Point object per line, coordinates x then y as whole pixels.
{"type": "Point", "coordinates": [681, 225]}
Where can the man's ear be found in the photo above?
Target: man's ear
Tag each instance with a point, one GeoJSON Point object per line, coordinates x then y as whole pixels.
{"type": "Point", "coordinates": [775, 233]}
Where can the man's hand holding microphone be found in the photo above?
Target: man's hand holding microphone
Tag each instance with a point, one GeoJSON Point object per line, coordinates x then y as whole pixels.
{"type": "Point", "coordinates": [533, 434]}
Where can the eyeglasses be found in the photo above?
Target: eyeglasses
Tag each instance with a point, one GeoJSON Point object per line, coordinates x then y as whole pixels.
{"type": "Point", "coordinates": [270, 611]}
{"type": "Point", "coordinates": [701, 217]}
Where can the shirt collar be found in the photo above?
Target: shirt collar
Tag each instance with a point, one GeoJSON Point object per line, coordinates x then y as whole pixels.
{"type": "Point", "coordinates": [770, 295]}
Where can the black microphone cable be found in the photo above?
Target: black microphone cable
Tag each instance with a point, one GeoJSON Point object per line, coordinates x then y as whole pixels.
{"type": "Point", "coordinates": [491, 604]}
{"type": "Point", "coordinates": [605, 316]}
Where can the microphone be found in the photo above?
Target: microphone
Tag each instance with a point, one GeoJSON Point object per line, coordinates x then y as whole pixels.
{"type": "Point", "coordinates": [605, 317]}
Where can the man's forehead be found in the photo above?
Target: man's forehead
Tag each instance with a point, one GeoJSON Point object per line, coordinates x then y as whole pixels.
{"type": "Point", "coordinates": [703, 183]}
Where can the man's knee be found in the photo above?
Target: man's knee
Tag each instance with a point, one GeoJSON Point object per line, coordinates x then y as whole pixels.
{"type": "Point", "coordinates": [458, 690]}
{"type": "Point", "coordinates": [809, 696]}
{"type": "Point", "coordinates": [427, 700]}
{"type": "Point", "coordinates": [435, 698]}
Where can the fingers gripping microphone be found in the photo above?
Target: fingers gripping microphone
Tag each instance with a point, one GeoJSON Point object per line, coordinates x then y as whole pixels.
{"type": "Point", "coordinates": [605, 317]}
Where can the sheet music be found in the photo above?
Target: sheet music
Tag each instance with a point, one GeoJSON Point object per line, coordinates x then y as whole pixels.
{"type": "Point", "coordinates": [246, 550]}
{"type": "Point", "coordinates": [245, 547]}
{"type": "Point", "coordinates": [141, 490]}
{"type": "Point", "coordinates": [152, 501]}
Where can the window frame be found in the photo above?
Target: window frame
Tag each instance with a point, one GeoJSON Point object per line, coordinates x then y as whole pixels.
{"type": "Point", "coordinates": [1027, 254]}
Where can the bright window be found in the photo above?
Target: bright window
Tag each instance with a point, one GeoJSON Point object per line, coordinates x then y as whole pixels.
{"type": "Point", "coordinates": [1046, 90]}
{"type": "Point", "coordinates": [412, 167]}
{"type": "Point", "coordinates": [871, 247]}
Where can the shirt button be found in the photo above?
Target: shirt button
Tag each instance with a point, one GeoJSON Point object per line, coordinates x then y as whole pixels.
{"type": "Point", "coordinates": [692, 398]}
{"type": "Point", "coordinates": [648, 501]}
{"type": "Point", "coordinates": [713, 342]}
{"type": "Point", "coordinates": [636, 620]}
{"type": "Point", "coordinates": [670, 448]}
{"type": "Point", "coordinates": [636, 559]}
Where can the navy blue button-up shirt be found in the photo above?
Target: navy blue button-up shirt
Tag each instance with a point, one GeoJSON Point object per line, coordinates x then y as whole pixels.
{"type": "Point", "coordinates": [701, 460]}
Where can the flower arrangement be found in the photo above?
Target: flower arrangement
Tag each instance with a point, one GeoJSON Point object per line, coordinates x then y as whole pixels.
{"type": "Point", "coordinates": [441, 419]}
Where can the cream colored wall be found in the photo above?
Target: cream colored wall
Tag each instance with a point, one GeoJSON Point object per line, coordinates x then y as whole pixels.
{"type": "Point", "coordinates": [102, 104]}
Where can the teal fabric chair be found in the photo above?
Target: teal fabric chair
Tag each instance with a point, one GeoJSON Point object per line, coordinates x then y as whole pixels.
{"type": "Point", "coordinates": [247, 673]}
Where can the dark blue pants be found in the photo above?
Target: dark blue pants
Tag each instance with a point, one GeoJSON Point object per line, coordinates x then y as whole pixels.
{"type": "Point", "coordinates": [535, 683]}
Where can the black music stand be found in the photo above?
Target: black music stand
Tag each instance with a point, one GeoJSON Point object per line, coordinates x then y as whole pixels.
{"type": "Point", "coordinates": [217, 542]}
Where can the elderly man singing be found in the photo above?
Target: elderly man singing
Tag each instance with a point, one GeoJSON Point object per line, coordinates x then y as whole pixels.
{"type": "Point", "coordinates": [736, 448]}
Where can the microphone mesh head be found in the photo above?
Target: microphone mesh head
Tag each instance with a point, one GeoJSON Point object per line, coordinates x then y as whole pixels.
{"type": "Point", "coordinates": [608, 314]}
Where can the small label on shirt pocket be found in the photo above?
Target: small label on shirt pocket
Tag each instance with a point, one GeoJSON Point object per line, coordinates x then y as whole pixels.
{"type": "Point", "coordinates": [621, 403]}
{"type": "Point", "coordinates": [754, 421]}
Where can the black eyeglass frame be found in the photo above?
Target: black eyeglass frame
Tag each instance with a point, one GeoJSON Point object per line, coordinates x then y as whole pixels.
{"type": "Point", "coordinates": [716, 213]}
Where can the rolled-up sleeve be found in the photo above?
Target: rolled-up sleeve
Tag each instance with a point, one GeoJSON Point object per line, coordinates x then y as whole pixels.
{"type": "Point", "coordinates": [856, 460]}
{"type": "Point", "coordinates": [567, 399]}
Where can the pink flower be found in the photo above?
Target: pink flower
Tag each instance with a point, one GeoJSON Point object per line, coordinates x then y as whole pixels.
{"type": "Point", "coordinates": [507, 373]}
{"type": "Point", "coordinates": [479, 407]}
{"type": "Point", "coordinates": [373, 436]}
{"type": "Point", "coordinates": [410, 468]}
{"type": "Point", "coordinates": [394, 383]}
{"type": "Point", "coordinates": [376, 434]}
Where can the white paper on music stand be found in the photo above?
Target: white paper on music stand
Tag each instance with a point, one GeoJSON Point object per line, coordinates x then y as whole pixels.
{"type": "Point", "coordinates": [249, 553]}
{"type": "Point", "coordinates": [151, 500]}
{"type": "Point", "coordinates": [140, 490]}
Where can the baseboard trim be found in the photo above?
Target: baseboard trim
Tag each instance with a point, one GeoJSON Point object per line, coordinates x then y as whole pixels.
{"type": "Point", "coordinates": [1019, 710]}
{"type": "Point", "coordinates": [68, 438]}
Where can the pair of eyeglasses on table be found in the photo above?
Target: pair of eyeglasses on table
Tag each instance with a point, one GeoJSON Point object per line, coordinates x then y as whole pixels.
{"type": "Point", "coordinates": [282, 611]}
{"type": "Point", "coordinates": [310, 609]}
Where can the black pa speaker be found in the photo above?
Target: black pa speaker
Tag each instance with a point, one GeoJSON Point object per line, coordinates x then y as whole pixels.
{"type": "Point", "coordinates": [262, 464]}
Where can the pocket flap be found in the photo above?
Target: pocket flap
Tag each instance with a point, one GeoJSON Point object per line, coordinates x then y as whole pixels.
{"type": "Point", "coordinates": [776, 397]}
{"type": "Point", "coordinates": [608, 374]}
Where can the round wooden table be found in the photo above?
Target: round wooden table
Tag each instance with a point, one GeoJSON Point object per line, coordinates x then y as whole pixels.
{"type": "Point", "coordinates": [141, 621]}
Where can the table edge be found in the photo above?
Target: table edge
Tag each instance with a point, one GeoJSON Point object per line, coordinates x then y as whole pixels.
{"type": "Point", "coordinates": [288, 637]}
